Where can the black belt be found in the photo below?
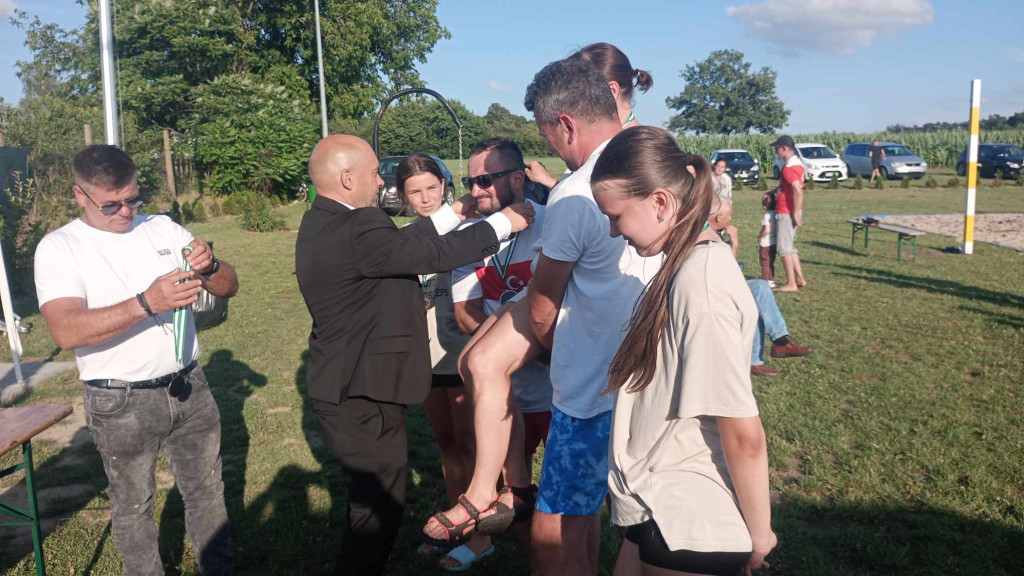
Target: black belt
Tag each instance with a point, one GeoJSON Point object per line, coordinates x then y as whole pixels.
{"type": "Point", "coordinates": [144, 384]}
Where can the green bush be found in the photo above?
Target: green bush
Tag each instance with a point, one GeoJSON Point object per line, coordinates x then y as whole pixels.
{"type": "Point", "coordinates": [214, 208]}
{"type": "Point", "coordinates": [257, 213]}
{"type": "Point", "coordinates": [275, 201]}
{"type": "Point", "coordinates": [905, 183]}
{"type": "Point", "coordinates": [1020, 180]}
{"type": "Point", "coordinates": [931, 183]}
{"type": "Point", "coordinates": [879, 183]}
{"type": "Point", "coordinates": [810, 185]}
{"type": "Point", "coordinates": [188, 216]}
{"type": "Point", "coordinates": [252, 135]}
{"type": "Point", "coordinates": [176, 213]}
{"type": "Point", "coordinates": [18, 235]}
{"type": "Point", "coordinates": [762, 184]}
{"type": "Point", "coordinates": [998, 180]}
{"type": "Point", "coordinates": [230, 206]}
{"type": "Point", "coordinates": [834, 183]}
{"type": "Point", "coordinates": [199, 211]}
{"type": "Point", "coordinates": [953, 182]}
{"type": "Point", "coordinates": [152, 208]}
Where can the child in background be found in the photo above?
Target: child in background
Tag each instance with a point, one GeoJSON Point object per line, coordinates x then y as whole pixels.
{"type": "Point", "coordinates": [766, 239]}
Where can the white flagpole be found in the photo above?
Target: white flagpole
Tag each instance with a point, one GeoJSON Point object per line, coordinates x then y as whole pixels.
{"type": "Point", "coordinates": [13, 339]}
{"type": "Point", "coordinates": [320, 68]}
{"type": "Point", "coordinates": [107, 68]}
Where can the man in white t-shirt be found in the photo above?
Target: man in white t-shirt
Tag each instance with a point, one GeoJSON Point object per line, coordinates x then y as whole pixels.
{"type": "Point", "coordinates": [108, 285]}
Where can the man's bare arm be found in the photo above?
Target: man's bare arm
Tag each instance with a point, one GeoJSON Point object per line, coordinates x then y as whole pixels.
{"type": "Point", "coordinates": [469, 315]}
{"type": "Point", "coordinates": [73, 325]}
{"type": "Point", "coordinates": [547, 288]}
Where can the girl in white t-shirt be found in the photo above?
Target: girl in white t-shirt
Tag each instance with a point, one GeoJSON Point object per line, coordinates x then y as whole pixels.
{"type": "Point", "coordinates": [688, 462]}
{"type": "Point", "coordinates": [766, 240]}
{"type": "Point", "coordinates": [420, 184]}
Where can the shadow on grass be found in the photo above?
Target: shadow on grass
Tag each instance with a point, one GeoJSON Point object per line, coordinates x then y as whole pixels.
{"type": "Point", "coordinates": [877, 539]}
{"type": "Point", "coordinates": [232, 382]}
{"type": "Point", "coordinates": [932, 285]}
{"type": "Point", "coordinates": [1016, 322]}
{"type": "Point", "coordinates": [835, 248]}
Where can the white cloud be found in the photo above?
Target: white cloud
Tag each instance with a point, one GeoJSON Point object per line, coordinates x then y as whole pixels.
{"type": "Point", "coordinates": [7, 8]}
{"type": "Point", "coordinates": [495, 87]}
{"type": "Point", "coordinates": [841, 26]}
{"type": "Point", "coordinates": [1016, 54]}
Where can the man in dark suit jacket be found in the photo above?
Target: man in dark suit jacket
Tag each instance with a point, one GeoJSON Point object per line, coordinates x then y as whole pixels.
{"type": "Point", "coordinates": [369, 354]}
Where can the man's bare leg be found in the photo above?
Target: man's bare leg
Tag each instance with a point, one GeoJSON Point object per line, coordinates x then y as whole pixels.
{"type": "Point", "coordinates": [565, 545]}
{"type": "Point", "coordinates": [502, 345]}
{"type": "Point", "coordinates": [789, 265]}
{"type": "Point", "coordinates": [798, 271]}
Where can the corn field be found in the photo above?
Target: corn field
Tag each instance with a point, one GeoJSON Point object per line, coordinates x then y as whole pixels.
{"type": "Point", "coordinates": [939, 149]}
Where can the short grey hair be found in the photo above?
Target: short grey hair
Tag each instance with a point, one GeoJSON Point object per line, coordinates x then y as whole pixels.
{"type": "Point", "coordinates": [574, 87]}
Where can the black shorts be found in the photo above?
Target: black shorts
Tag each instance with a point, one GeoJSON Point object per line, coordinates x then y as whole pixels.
{"type": "Point", "coordinates": [655, 552]}
{"type": "Point", "coordinates": [445, 381]}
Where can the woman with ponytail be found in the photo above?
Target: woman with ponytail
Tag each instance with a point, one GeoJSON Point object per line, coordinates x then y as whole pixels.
{"type": "Point", "coordinates": [688, 464]}
{"type": "Point", "coordinates": [622, 80]}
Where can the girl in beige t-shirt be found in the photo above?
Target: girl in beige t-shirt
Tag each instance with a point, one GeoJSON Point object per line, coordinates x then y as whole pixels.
{"type": "Point", "coordinates": [688, 463]}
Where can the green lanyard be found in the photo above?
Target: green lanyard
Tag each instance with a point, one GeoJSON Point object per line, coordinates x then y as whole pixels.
{"type": "Point", "coordinates": [181, 316]}
{"type": "Point", "coordinates": [705, 228]}
{"type": "Point", "coordinates": [503, 268]}
{"type": "Point", "coordinates": [628, 120]}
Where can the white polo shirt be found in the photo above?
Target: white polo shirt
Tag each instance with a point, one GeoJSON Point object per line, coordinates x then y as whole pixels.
{"type": "Point", "coordinates": [107, 268]}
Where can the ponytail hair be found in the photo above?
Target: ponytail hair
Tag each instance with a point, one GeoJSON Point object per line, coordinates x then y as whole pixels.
{"type": "Point", "coordinates": [615, 67]}
{"type": "Point", "coordinates": [640, 160]}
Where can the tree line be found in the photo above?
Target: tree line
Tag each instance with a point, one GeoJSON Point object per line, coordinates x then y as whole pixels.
{"type": "Point", "coordinates": [992, 122]}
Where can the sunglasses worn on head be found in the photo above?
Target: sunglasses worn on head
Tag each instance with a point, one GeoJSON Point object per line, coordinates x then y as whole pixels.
{"type": "Point", "coordinates": [112, 208]}
{"type": "Point", "coordinates": [485, 180]}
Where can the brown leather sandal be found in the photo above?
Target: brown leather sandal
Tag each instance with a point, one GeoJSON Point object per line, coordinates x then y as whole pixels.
{"type": "Point", "coordinates": [504, 516]}
{"type": "Point", "coordinates": [455, 533]}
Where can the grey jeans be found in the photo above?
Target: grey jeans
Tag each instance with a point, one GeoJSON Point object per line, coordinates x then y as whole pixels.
{"type": "Point", "coordinates": [130, 428]}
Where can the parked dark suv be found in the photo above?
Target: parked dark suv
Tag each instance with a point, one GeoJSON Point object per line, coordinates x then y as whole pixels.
{"type": "Point", "coordinates": [739, 164]}
{"type": "Point", "coordinates": [993, 157]}
{"type": "Point", "coordinates": [390, 201]}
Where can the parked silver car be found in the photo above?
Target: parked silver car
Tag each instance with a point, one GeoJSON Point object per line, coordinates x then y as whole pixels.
{"type": "Point", "coordinates": [898, 161]}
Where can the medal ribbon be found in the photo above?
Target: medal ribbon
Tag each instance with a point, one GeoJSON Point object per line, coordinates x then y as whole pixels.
{"type": "Point", "coordinates": [630, 119]}
{"type": "Point", "coordinates": [181, 316]}
{"type": "Point", "coordinates": [503, 268]}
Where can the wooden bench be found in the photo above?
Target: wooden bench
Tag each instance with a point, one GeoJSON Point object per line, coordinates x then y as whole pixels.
{"type": "Point", "coordinates": [904, 234]}
{"type": "Point", "coordinates": [17, 428]}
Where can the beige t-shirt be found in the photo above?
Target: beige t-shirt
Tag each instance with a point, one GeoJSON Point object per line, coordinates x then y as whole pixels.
{"type": "Point", "coordinates": [666, 458]}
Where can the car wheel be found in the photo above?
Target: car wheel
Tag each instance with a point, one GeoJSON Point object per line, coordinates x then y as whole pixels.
{"type": "Point", "coordinates": [883, 173]}
{"type": "Point", "coordinates": [961, 170]}
{"type": "Point", "coordinates": [775, 172]}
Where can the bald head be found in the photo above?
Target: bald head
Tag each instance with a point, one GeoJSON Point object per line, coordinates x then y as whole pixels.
{"type": "Point", "coordinates": [721, 212]}
{"type": "Point", "coordinates": [344, 168]}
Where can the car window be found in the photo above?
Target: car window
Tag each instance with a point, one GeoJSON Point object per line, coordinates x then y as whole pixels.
{"type": "Point", "coordinates": [897, 151]}
{"type": "Point", "coordinates": [816, 152]}
{"type": "Point", "coordinates": [736, 157]}
{"type": "Point", "coordinates": [1004, 151]}
{"type": "Point", "coordinates": [388, 167]}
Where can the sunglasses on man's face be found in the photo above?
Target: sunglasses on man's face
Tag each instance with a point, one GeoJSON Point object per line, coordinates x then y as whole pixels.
{"type": "Point", "coordinates": [485, 180]}
{"type": "Point", "coordinates": [111, 208]}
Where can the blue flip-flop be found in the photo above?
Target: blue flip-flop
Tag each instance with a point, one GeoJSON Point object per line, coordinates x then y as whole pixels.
{"type": "Point", "coordinates": [466, 557]}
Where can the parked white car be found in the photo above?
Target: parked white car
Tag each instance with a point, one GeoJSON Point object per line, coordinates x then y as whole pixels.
{"type": "Point", "coordinates": [820, 163]}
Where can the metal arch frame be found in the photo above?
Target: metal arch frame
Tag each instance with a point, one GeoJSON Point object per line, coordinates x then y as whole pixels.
{"type": "Point", "coordinates": [406, 92]}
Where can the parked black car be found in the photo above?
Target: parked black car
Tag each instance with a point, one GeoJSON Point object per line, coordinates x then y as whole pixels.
{"type": "Point", "coordinates": [993, 157]}
{"type": "Point", "coordinates": [739, 165]}
{"type": "Point", "coordinates": [388, 198]}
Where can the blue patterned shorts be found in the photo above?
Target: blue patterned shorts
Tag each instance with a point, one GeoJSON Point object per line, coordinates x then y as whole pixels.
{"type": "Point", "coordinates": [574, 477]}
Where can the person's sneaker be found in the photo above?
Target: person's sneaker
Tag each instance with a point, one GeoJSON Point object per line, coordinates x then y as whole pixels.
{"type": "Point", "coordinates": [790, 349]}
{"type": "Point", "coordinates": [771, 284]}
{"type": "Point", "coordinates": [762, 370]}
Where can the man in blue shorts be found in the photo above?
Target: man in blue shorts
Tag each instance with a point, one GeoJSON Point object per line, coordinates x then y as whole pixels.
{"type": "Point", "coordinates": [580, 298]}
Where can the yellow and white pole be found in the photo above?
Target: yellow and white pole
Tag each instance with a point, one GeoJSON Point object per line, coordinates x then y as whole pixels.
{"type": "Point", "coordinates": [972, 166]}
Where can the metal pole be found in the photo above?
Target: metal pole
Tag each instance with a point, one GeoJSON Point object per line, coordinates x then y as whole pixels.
{"type": "Point", "coordinates": [107, 68]}
{"type": "Point", "coordinates": [12, 326]}
{"type": "Point", "coordinates": [320, 67]}
{"type": "Point", "coordinates": [972, 166]}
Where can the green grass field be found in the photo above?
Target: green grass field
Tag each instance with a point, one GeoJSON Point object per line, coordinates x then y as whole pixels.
{"type": "Point", "coordinates": [896, 448]}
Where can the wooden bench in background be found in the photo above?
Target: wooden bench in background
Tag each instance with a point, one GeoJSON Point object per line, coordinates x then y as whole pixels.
{"type": "Point", "coordinates": [17, 428]}
{"type": "Point", "coordinates": [904, 234]}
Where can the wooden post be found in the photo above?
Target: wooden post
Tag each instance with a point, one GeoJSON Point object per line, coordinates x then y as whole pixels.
{"type": "Point", "coordinates": [88, 135]}
{"type": "Point", "coordinates": [168, 165]}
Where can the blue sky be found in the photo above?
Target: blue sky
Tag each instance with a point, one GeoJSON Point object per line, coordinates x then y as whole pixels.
{"type": "Point", "coordinates": [844, 65]}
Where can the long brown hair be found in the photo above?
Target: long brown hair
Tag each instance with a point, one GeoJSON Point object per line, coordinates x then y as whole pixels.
{"type": "Point", "coordinates": [614, 65]}
{"type": "Point", "coordinates": [640, 160]}
{"type": "Point", "coordinates": [412, 165]}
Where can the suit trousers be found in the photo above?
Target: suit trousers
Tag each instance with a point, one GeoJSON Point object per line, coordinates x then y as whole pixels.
{"type": "Point", "coordinates": [369, 439]}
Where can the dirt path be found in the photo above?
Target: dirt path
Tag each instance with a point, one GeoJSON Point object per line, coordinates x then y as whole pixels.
{"type": "Point", "coordinates": [1003, 229]}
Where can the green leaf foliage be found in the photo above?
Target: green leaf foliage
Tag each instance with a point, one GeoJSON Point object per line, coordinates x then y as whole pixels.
{"type": "Point", "coordinates": [723, 96]}
{"type": "Point", "coordinates": [252, 135]}
{"type": "Point", "coordinates": [858, 182]}
{"type": "Point", "coordinates": [905, 182]}
{"type": "Point", "coordinates": [257, 215]}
